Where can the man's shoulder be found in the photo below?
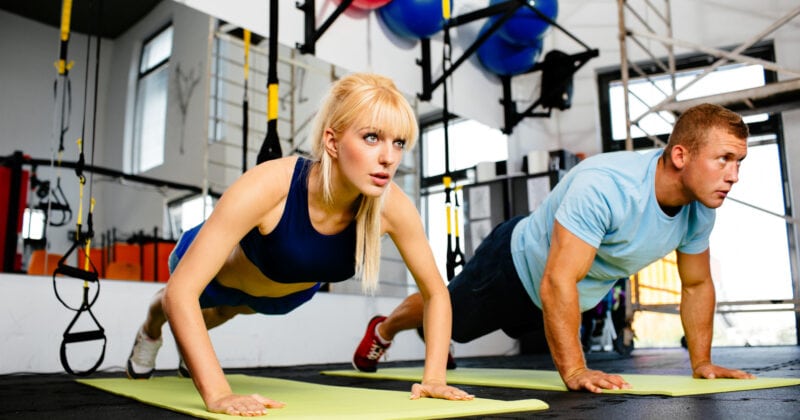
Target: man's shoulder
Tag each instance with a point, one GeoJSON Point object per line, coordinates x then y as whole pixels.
{"type": "Point", "coordinates": [619, 160]}
{"type": "Point", "coordinates": [624, 167]}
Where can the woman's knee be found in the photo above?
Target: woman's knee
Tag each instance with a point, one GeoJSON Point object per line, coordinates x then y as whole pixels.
{"type": "Point", "coordinates": [228, 312]}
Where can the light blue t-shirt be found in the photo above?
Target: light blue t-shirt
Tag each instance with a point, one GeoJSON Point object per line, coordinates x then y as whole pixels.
{"type": "Point", "coordinates": [609, 202]}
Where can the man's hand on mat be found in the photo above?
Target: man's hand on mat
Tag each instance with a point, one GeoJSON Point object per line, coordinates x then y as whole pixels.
{"type": "Point", "coordinates": [594, 381]}
{"type": "Point", "coordinates": [443, 391]}
{"type": "Point", "coordinates": [244, 405]}
{"type": "Point", "coordinates": [711, 371]}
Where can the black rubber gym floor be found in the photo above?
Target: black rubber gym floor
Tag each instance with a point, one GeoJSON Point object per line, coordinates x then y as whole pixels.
{"type": "Point", "coordinates": [58, 396]}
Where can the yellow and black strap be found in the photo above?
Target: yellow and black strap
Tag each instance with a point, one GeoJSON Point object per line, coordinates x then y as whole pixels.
{"type": "Point", "coordinates": [271, 147]}
{"type": "Point", "coordinates": [245, 102]}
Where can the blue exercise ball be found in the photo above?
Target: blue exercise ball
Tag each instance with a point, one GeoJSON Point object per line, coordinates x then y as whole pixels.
{"type": "Point", "coordinates": [526, 27]}
{"type": "Point", "coordinates": [413, 19]}
{"type": "Point", "coordinates": [503, 58]}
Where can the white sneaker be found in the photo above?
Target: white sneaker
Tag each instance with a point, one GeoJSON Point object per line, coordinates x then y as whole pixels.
{"type": "Point", "coordinates": [142, 361]}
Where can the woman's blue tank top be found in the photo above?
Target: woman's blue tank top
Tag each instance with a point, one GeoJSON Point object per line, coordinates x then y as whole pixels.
{"type": "Point", "coordinates": [294, 251]}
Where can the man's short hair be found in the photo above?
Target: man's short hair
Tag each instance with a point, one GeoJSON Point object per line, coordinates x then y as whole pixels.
{"type": "Point", "coordinates": [692, 128]}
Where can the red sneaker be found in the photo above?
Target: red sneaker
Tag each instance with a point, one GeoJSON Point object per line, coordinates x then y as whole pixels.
{"type": "Point", "coordinates": [370, 349]}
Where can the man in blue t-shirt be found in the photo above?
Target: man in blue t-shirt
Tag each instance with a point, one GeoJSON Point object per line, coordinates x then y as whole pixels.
{"type": "Point", "coordinates": [611, 216]}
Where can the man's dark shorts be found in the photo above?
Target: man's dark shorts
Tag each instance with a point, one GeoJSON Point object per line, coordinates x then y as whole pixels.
{"type": "Point", "coordinates": [487, 294]}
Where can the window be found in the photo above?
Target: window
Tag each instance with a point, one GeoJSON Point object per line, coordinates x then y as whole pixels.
{"type": "Point", "coordinates": [188, 212]}
{"type": "Point", "coordinates": [151, 102]}
{"type": "Point", "coordinates": [470, 143]}
{"type": "Point", "coordinates": [646, 92]}
{"type": "Point", "coordinates": [33, 224]}
{"type": "Point", "coordinates": [751, 263]}
{"type": "Point", "coordinates": [219, 95]}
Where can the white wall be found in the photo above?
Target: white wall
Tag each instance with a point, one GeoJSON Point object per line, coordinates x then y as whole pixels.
{"type": "Point", "coordinates": [32, 322]}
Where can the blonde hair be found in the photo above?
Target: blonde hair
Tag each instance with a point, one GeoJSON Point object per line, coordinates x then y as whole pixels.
{"type": "Point", "coordinates": [691, 129]}
{"type": "Point", "coordinates": [356, 98]}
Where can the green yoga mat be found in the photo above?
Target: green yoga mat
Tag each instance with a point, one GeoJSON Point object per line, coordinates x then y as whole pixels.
{"type": "Point", "coordinates": [671, 385]}
{"type": "Point", "coordinates": [307, 400]}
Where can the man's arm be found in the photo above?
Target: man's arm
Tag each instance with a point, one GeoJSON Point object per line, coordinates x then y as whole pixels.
{"type": "Point", "coordinates": [568, 262]}
{"type": "Point", "coordinates": [697, 315]}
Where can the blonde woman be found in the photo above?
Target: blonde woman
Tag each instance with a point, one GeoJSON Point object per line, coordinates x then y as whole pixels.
{"type": "Point", "coordinates": [289, 225]}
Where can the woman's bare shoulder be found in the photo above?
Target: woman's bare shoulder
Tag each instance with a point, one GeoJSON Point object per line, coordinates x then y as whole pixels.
{"type": "Point", "coordinates": [397, 209]}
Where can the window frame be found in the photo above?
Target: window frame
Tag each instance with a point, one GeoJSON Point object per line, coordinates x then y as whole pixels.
{"type": "Point", "coordinates": [607, 75]}
{"type": "Point", "coordinates": [162, 65]}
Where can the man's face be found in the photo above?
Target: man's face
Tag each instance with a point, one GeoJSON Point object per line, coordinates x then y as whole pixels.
{"type": "Point", "coordinates": [712, 170]}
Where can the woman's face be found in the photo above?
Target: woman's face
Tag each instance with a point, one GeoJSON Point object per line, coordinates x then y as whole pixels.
{"type": "Point", "coordinates": [368, 157]}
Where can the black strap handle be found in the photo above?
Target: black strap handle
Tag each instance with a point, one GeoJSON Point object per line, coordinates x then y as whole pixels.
{"type": "Point", "coordinates": [83, 336]}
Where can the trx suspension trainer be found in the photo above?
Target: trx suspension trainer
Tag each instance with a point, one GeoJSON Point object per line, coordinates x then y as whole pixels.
{"type": "Point", "coordinates": [88, 273]}
{"type": "Point", "coordinates": [455, 257]}
{"type": "Point", "coordinates": [271, 147]}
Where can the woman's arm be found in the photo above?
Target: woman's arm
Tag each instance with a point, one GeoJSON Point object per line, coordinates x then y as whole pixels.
{"type": "Point", "coordinates": [250, 201]}
{"type": "Point", "coordinates": [403, 224]}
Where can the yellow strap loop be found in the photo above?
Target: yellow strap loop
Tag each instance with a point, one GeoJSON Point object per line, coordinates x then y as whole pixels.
{"type": "Point", "coordinates": [66, 13]}
{"type": "Point", "coordinates": [62, 66]}
{"type": "Point", "coordinates": [81, 183]}
{"type": "Point", "coordinates": [446, 180]}
{"type": "Point", "coordinates": [446, 9]}
{"type": "Point", "coordinates": [88, 247]}
{"type": "Point", "coordinates": [447, 210]}
{"type": "Point", "coordinates": [272, 109]}
{"type": "Point", "coordinates": [247, 37]}
{"type": "Point", "coordinates": [457, 189]}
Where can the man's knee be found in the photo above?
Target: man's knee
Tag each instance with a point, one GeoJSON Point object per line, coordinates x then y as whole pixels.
{"type": "Point", "coordinates": [464, 333]}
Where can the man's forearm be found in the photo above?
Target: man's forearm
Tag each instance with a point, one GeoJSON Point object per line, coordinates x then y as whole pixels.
{"type": "Point", "coordinates": [697, 318]}
{"type": "Point", "coordinates": [562, 319]}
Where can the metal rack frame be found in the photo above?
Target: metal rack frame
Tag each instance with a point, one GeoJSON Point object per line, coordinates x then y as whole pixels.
{"type": "Point", "coordinates": [773, 98]}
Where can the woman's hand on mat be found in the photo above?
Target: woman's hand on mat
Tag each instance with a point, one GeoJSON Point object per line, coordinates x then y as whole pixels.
{"type": "Point", "coordinates": [243, 405]}
{"type": "Point", "coordinates": [594, 381]}
{"type": "Point", "coordinates": [711, 371]}
{"type": "Point", "coordinates": [443, 391]}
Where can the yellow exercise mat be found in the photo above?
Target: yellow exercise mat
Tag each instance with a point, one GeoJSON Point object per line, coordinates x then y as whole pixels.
{"type": "Point", "coordinates": [306, 400]}
{"type": "Point", "coordinates": [550, 381]}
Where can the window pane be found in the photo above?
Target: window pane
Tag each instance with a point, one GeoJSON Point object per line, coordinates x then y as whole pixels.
{"type": "Point", "coordinates": [193, 212]}
{"type": "Point", "coordinates": [739, 75]}
{"type": "Point", "coordinates": [186, 214]}
{"type": "Point", "coordinates": [754, 252]}
{"type": "Point", "coordinates": [470, 142]}
{"type": "Point", "coordinates": [33, 224]}
{"type": "Point", "coordinates": [151, 112]}
{"type": "Point", "coordinates": [156, 50]}
{"type": "Point", "coordinates": [645, 94]}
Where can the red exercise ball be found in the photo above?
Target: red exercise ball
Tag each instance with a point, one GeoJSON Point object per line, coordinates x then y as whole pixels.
{"type": "Point", "coordinates": [367, 4]}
